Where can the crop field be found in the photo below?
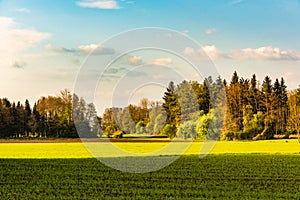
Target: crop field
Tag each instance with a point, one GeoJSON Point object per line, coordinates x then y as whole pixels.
{"type": "Point", "coordinates": [78, 150]}
{"type": "Point", "coordinates": [233, 170]}
{"type": "Point", "coordinates": [246, 176]}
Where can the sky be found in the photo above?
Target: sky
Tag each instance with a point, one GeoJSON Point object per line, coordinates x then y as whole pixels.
{"type": "Point", "coordinates": [46, 44]}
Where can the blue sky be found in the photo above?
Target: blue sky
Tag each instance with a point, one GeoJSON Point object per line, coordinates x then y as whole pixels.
{"type": "Point", "coordinates": [43, 41]}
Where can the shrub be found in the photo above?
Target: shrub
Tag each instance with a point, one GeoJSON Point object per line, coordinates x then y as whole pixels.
{"type": "Point", "coordinates": [169, 130]}
{"type": "Point", "coordinates": [140, 127]}
{"type": "Point", "coordinates": [187, 130]}
{"type": "Point", "coordinates": [227, 136]}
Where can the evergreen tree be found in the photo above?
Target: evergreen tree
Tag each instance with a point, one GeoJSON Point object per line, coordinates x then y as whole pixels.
{"type": "Point", "coordinates": [284, 109]}
{"type": "Point", "coordinates": [203, 95]}
{"type": "Point", "coordinates": [27, 115]}
{"type": "Point", "coordinates": [234, 106]}
{"type": "Point", "coordinates": [172, 106]}
{"type": "Point", "coordinates": [268, 108]}
{"type": "Point", "coordinates": [234, 79]}
{"type": "Point", "coordinates": [254, 94]}
{"type": "Point", "coordinates": [188, 100]}
{"type": "Point", "coordinates": [267, 95]}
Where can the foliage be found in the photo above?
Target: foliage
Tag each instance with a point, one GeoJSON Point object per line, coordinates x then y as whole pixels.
{"type": "Point", "coordinates": [159, 123]}
{"type": "Point", "coordinates": [187, 130]}
{"type": "Point", "coordinates": [251, 109]}
{"type": "Point", "coordinates": [169, 130]}
{"type": "Point", "coordinates": [140, 127]}
{"type": "Point", "coordinates": [203, 125]}
{"type": "Point", "coordinates": [294, 112]}
{"type": "Point", "coordinates": [109, 130]}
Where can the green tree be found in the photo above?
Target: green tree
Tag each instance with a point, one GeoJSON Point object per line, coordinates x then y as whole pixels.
{"type": "Point", "coordinates": [155, 110]}
{"type": "Point", "coordinates": [188, 101]}
{"type": "Point", "coordinates": [234, 106]}
{"type": "Point", "coordinates": [248, 128]}
{"type": "Point", "coordinates": [267, 96]}
{"type": "Point", "coordinates": [187, 130]}
{"type": "Point", "coordinates": [27, 117]}
{"type": "Point", "coordinates": [235, 78]}
{"type": "Point", "coordinates": [294, 112]}
{"type": "Point", "coordinates": [127, 123]}
{"type": "Point", "coordinates": [268, 108]}
{"type": "Point", "coordinates": [203, 95]}
{"type": "Point", "coordinates": [35, 123]}
{"type": "Point", "coordinates": [66, 101]}
{"type": "Point", "coordinates": [283, 106]}
{"type": "Point", "coordinates": [202, 126]}
{"type": "Point", "coordinates": [140, 127]}
{"type": "Point", "coordinates": [172, 106]}
{"type": "Point", "coordinates": [159, 124]}
{"type": "Point", "coordinates": [254, 94]}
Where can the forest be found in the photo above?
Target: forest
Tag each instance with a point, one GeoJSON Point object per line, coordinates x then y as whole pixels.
{"type": "Point", "coordinates": [239, 109]}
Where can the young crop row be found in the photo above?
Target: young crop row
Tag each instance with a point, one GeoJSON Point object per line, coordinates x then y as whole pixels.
{"type": "Point", "coordinates": [215, 176]}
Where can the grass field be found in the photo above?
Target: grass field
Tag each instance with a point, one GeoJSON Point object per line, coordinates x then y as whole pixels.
{"type": "Point", "coordinates": [233, 170]}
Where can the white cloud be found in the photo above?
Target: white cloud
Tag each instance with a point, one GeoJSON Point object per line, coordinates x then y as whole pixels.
{"type": "Point", "coordinates": [190, 52]}
{"type": "Point", "coordinates": [6, 22]}
{"type": "Point", "coordinates": [88, 48]}
{"type": "Point", "coordinates": [262, 53]}
{"type": "Point", "coordinates": [16, 40]}
{"type": "Point", "coordinates": [23, 10]}
{"type": "Point", "coordinates": [161, 61]}
{"type": "Point", "coordinates": [211, 51]}
{"type": "Point", "coordinates": [135, 60]}
{"type": "Point", "coordinates": [85, 49]}
{"type": "Point", "coordinates": [210, 31]}
{"type": "Point", "coordinates": [96, 49]}
{"type": "Point", "coordinates": [100, 4]}
{"type": "Point", "coordinates": [265, 53]}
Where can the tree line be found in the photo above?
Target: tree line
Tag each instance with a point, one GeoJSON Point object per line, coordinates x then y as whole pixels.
{"type": "Point", "coordinates": [240, 109]}
{"type": "Point", "coordinates": [52, 116]}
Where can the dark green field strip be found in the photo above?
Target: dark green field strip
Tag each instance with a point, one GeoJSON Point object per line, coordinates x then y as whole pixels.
{"type": "Point", "coordinates": [215, 176]}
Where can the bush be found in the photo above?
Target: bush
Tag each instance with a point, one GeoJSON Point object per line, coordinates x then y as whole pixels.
{"type": "Point", "coordinates": [227, 136]}
{"type": "Point", "coordinates": [118, 134]}
{"type": "Point", "coordinates": [169, 130]}
{"type": "Point", "coordinates": [109, 130]}
{"type": "Point", "coordinates": [203, 125]}
{"type": "Point", "coordinates": [241, 135]}
{"type": "Point", "coordinates": [140, 127]}
{"type": "Point", "coordinates": [187, 130]}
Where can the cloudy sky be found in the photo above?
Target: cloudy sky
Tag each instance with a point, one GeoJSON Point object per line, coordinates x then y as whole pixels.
{"type": "Point", "coordinates": [44, 43]}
